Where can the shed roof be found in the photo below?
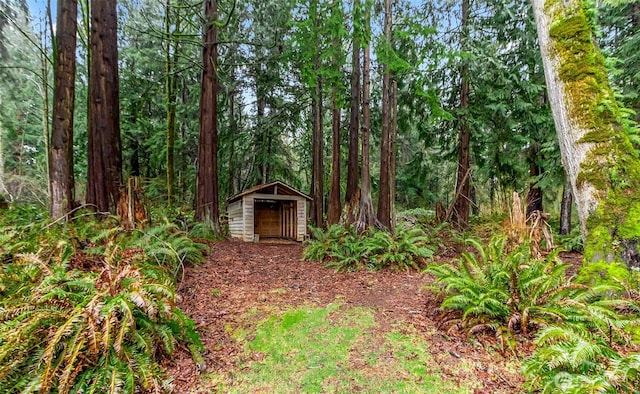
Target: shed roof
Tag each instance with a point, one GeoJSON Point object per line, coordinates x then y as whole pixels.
{"type": "Point", "coordinates": [276, 187]}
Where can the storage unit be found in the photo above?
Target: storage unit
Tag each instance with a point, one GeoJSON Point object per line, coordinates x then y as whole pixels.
{"type": "Point", "coordinates": [270, 210]}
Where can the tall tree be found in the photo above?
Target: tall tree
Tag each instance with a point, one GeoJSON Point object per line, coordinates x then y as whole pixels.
{"type": "Point", "coordinates": [600, 162]}
{"type": "Point", "coordinates": [207, 209]}
{"type": "Point", "coordinates": [317, 139]}
{"type": "Point", "coordinates": [336, 29]}
{"type": "Point", "coordinates": [384, 190]}
{"type": "Point", "coordinates": [61, 180]}
{"type": "Point", "coordinates": [104, 173]}
{"type": "Point", "coordinates": [366, 216]}
{"type": "Point", "coordinates": [171, 91]}
{"type": "Point", "coordinates": [354, 109]}
{"type": "Point", "coordinates": [462, 197]}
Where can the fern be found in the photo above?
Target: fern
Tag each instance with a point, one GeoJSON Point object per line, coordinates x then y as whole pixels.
{"type": "Point", "coordinates": [97, 330]}
{"type": "Point", "coordinates": [343, 249]}
{"type": "Point", "coordinates": [516, 293]}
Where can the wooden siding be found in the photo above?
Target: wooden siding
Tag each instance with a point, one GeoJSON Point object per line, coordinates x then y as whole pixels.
{"type": "Point", "coordinates": [302, 219]}
{"type": "Point", "coordinates": [236, 219]}
{"type": "Point", "coordinates": [247, 212]}
{"type": "Point", "coordinates": [288, 221]}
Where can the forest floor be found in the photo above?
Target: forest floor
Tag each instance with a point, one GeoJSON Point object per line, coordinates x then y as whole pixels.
{"type": "Point", "coordinates": [243, 285]}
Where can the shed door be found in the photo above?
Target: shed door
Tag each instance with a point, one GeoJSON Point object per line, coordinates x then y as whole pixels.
{"type": "Point", "coordinates": [289, 219]}
{"type": "Point", "coordinates": [267, 218]}
{"type": "Point", "coordinates": [275, 219]}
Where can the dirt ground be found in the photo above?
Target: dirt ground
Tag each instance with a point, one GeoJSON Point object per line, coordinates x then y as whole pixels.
{"type": "Point", "coordinates": [239, 277]}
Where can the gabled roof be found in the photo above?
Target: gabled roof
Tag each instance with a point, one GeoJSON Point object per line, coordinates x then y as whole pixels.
{"type": "Point", "coordinates": [277, 188]}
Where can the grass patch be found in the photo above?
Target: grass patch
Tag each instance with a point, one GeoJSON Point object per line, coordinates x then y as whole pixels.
{"type": "Point", "coordinates": [329, 350]}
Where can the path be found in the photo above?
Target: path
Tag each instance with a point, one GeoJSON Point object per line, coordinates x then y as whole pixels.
{"type": "Point", "coordinates": [240, 277]}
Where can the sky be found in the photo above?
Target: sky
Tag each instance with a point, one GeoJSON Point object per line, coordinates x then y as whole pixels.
{"type": "Point", "coordinates": [37, 8]}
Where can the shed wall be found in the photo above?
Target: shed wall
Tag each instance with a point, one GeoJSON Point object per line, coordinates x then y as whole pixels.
{"type": "Point", "coordinates": [236, 219]}
{"type": "Point", "coordinates": [241, 215]}
{"type": "Point", "coordinates": [302, 218]}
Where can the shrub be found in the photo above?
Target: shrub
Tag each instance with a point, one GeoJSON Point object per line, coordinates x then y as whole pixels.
{"type": "Point", "coordinates": [571, 359]}
{"type": "Point", "coordinates": [579, 328]}
{"type": "Point", "coordinates": [343, 249]}
{"type": "Point", "coordinates": [93, 310]}
{"type": "Point", "coordinates": [500, 291]}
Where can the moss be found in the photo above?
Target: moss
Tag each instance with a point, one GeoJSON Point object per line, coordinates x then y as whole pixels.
{"type": "Point", "coordinates": [611, 166]}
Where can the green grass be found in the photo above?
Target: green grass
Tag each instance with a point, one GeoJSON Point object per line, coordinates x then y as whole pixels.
{"type": "Point", "coordinates": [332, 350]}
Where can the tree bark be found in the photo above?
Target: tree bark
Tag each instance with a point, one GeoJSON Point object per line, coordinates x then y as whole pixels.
{"type": "Point", "coordinates": [207, 209]}
{"type": "Point", "coordinates": [171, 90]}
{"type": "Point", "coordinates": [233, 129]}
{"type": "Point", "coordinates": [462, 197]}
{"type": "Point", "coordinates": [104, 174]}
{"type": "Point", "coordinates": [384, 190]}
{"type": "Point", "coordinates": [366, 217]}
{"type": "Point", "coordinates": [599, 160]}
{"type": "Point", "coordinates": [333, 214]}
{"type": "Point", "coordinates": [317, 139]}
{"type": "Point", "coordinates": [317, 149]}
{"type": "Point", "coordinates": [534, 197]}
{"type": "Point", "coordinates": [394, 150]}
{"type": "Point", "coordinates": [3, 189]}
{"type": "Point", "coordinates": [354, 112]}
{"type": "Point", "coordinates": [565, 209]}
{"type": "Point", "coordinates": [61, 182]}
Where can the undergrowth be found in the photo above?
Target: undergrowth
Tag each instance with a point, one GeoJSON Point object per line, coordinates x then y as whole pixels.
{"type": "Point", "coordinates": [583, 333]}
{"type": "Point", "coordinates": [343, 248]}
{"type": "Point", "coordinates": [88, 306]}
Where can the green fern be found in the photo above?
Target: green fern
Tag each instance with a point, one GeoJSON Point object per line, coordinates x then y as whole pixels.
{"type": "Point", "coordinates": [99, 330]}
{"type": "Point", "coordinates": [343, 249]}
{"type": "Point", "coordinates": [505, 291]}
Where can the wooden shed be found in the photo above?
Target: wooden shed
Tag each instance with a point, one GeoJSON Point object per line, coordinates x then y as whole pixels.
{"type": "Point", "coordinates": [270, 210]}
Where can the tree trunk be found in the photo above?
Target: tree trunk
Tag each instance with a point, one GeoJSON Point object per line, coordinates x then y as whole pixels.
{"type": "Point", "coordinates": [3, 189]}
{"type": "Point", "coordinates": [317, 139]}
{"type": "Point", "coordinates": [534, 197]}
{"type": "Point", "coordinates": [182, 166]}
{"type": "Point", "coordinates": [261, 129]}
{"type": "Point", "coordinates": [599, 160]}
{"type": "Point", "coordinates": [207, 209]}
{"type": "Point", "coordinates": [384, 190]}
{"type": "Point", "coordinates": [171, 90]}
{"type": "Point", "coordinates": [333, 214]}
{"type": "Point", "coordinates": [61, 182]}
{"type": "Point", "coordinates": [462, 198]}
{"type": "Point", "coordinates": [316, 154]}
{"type": "Point", "coordinates": [366, 217]}
{"type": "Point", "coordinates": [104, 157]}
{"type": "Point", "coordinates": [354, 113]}
{"type": "Point", "coordinates": [233, 129]}
{"type": "Point", "coordinates": [565, 210]}
{"type": "Point", "coordinates": [394, 150]}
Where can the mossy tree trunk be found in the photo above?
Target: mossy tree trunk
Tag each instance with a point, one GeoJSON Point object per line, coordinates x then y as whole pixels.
{"type": "Point", "coordinates": [602, 166]}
